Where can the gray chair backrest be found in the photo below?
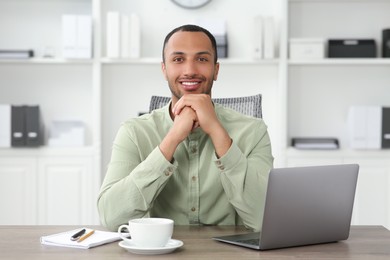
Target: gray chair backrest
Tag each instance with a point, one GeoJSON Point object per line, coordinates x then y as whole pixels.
{"type": "Point", "coordinates": [250, 105]}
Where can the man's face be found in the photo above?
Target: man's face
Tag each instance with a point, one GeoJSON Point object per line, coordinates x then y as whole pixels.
{"type": "Point", "coordinates": [189, 64]}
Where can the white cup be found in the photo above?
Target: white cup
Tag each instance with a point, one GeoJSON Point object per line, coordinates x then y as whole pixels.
{"type": "Point", "coordinates": [148, 232]}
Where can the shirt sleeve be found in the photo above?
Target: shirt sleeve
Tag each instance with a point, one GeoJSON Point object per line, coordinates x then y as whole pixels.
{"type": "Point", "coordinates": [131, 184]}
{"type": "Point", "coordinates": [244, 176]}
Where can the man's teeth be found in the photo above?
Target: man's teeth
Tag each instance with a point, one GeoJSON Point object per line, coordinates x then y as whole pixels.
{"type": "Point", "coordinates": [189, 83]}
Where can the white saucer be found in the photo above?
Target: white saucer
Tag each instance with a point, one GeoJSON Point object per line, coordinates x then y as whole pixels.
{"type": "Point", "coordinates": [172, 245]}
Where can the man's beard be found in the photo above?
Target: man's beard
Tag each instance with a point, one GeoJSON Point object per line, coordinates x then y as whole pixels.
{"type": "Point", "coordinates": [177, 94]}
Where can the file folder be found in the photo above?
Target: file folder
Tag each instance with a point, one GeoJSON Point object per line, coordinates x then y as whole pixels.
{"type": "Point", "coordinates": [18, 127]}
{"type": "Point", "coordinates": [386, 127]}
{"type": "Point", "coordinates": [33, 126]}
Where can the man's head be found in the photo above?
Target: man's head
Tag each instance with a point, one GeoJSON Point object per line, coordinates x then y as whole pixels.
{"type": "Point", "coordinates": [191, 28]}
{"type": "Point", "coordinates": [190, 61]}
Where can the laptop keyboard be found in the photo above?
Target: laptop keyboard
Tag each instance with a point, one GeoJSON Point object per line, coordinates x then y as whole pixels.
{"type": "Point", "coordinates": [254, 242]}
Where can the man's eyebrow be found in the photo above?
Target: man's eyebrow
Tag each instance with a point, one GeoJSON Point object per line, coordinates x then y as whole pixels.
{"type": "Point", "coordinates": [198, 53]}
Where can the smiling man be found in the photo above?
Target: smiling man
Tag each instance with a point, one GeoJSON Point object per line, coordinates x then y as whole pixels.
{"type": "Point", "coordinates": [192, 161]}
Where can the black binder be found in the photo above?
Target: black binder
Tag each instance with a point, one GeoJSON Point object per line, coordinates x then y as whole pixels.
{"type": "Point", "coordinates": [33, 126]}
{"type": "Point", "coordinates": [18, 127]}
{"type": "Point", "coordinates": [385, 127]}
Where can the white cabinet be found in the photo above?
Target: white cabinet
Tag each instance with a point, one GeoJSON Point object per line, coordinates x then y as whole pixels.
{"type": "Point", "coordinates": [48, 187]}
{"type": "Point", "coordinates": [18, 190]}
{"type": "Point", "coordinates": [372, 200]}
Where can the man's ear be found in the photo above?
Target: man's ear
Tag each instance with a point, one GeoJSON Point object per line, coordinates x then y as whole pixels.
{"type": "Point", "coordinates": [216, 71]}
{"type": "Point", "coordinates": [164, 71]}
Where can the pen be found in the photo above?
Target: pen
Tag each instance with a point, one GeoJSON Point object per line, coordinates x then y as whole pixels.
{"type": "Point", "coordinates": [77, 235]}
{"type": "Point", "coordinates": [86, 236]}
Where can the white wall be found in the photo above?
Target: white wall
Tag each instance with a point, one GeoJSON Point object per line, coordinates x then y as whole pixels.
{"type": "Point", "coordinates": [127, 87]}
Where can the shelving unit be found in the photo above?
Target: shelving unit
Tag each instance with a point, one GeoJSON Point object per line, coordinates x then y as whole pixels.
{"type": "Point", "coordinates": [300, 97]}
{"type": "Point", "coordinates": [321, 91]}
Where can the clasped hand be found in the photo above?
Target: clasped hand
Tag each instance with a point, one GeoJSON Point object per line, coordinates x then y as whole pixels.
{"type": "Point", "coordinates": [192, 111]}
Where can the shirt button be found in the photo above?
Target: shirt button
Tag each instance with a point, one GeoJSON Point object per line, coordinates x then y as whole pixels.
{"type": "Point", "coordinates": [218, 162]}
{"type": "Point", "coordinates": [193, 209]}
{"type": "Point", "coordinates": [193, 150]}
{"type": "Point", "coordinates": [170, 169]}
{"type": "Point", "coordinates": [194, 178]}
{"type": "Point", "coordinates": [167, 173]}
{"type": "Point", "coordinates": [221, 167]}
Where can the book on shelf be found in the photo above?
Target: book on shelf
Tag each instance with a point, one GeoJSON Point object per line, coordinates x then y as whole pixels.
{"type": "Point", "coordinates": [320, 143]}
{"type": "Point", "coordinates": [16, 54]}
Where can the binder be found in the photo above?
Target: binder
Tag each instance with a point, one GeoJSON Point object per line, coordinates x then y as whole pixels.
{"type": "Point", "coordinates": [18, 127]}
{"type": "Point", "coordinates": [258, 37]}
{"type": "Point", "coordinates": [269, 38]}
{"type": "Point", "coordinates": [69, 36]}
{"type": "Point", "coordinates": [84, 37]}
{"type": "Point", "coordinates": [386, 127]}
{"type": "Point", "coordinates": [33, 126]}
{"type": "Point", "coordinates": [135, 36]}
{"type": "Point", "coordinates": [113, 35]}
{"type": "Point", "coordinates": [5, 125]}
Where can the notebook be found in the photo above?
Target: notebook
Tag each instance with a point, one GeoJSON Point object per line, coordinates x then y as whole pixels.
{"type": "Point", "coordinates": [96, 239]}
{"type": "Point", "coordinates": [304, 206]}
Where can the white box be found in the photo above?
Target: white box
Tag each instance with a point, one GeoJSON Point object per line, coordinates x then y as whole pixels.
{"type": "Point", "coordinates": [305, 48]}
{"type": "Point", "coordinates": [66, 133]}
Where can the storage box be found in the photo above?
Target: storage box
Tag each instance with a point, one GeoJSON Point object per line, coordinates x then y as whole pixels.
{"type": "Point", "coordinates": [352, 48]}
{"type": "Point", "coordinates": [305, 48]}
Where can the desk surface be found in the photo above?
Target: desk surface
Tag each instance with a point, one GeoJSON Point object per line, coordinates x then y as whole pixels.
{"type": "Point", "coordinates": [22, 242]}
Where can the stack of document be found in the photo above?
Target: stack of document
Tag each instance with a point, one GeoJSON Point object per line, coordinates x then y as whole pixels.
{"type": "Point", "coordinates": [315, 143]}
{"type": "Point", "coordinates": [96, 239]}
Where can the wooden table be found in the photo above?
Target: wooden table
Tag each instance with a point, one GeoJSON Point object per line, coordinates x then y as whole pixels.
{"type": "Point", "coordinates": [23, 242]}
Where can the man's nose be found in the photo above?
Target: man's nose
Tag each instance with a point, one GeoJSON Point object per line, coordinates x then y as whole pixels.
{"type": "Point", "coordinates": [190, 68]}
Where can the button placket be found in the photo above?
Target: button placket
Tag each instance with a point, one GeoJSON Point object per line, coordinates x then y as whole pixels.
{"type": "Point", "coordinates": [193, 181]}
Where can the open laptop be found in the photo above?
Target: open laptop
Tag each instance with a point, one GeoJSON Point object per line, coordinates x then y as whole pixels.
{"type": "Point", "coordinates": [304, 206]}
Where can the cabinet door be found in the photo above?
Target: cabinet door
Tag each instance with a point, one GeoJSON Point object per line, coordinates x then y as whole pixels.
{"type": "Point", "coordinates": [18, 191]}
{"type": "Point", "coordinates": [65, 187]}
{"type": "Point", "coordinates": [372, 200]}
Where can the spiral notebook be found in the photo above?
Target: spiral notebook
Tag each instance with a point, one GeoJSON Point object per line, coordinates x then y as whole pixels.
{"type": "Point", "coordinates": [96, 239]}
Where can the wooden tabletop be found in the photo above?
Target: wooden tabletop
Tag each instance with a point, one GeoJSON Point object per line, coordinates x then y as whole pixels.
{"type": "Point", "coordinates": [23, 242]}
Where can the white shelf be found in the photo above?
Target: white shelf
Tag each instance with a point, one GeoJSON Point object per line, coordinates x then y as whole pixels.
{"type": "Point", "coordinates": [153, 61]}
{"type": "Point", "coordinates": [342, 61]}
{"type": "Point", "coordinates": [46, 61]}
{"type": "Point", "coordinates": [46, 150]}
{"type": "Point", "coordinates": [338, 153]}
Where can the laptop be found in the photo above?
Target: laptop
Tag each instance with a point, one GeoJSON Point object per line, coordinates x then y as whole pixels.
{"type": "Point", "coordinates": [304, 206]}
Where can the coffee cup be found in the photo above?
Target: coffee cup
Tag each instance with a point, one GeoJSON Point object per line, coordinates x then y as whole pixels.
{"type": "Point", "coordinates": [148, 232]}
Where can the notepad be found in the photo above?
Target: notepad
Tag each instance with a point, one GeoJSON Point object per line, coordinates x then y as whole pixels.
{"type": "Point", "coordinates": [63, 239]}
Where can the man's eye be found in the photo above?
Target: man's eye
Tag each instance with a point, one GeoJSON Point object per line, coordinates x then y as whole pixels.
{"type": "Point", "coordinates": [203, 59]}
{"type": "Point", "coordinates": [178, 59]}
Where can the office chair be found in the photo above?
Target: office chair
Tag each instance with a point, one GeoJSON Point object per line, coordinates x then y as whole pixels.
{"type": "Point", "coordinates": [250, 105]}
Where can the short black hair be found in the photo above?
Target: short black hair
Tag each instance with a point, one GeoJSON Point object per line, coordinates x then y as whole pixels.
{"type": "Point", "coordinates": [191, 28]}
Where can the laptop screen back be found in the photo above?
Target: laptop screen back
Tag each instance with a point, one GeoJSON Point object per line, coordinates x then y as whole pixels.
{"type": "Point", "coordinates": [308, 205]}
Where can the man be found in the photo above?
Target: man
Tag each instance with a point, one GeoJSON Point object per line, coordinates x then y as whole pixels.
{"type": "Point", "coordinates": [192, 161]}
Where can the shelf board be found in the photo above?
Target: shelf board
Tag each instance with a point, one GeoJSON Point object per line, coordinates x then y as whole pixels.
{"type": "Point", "coordinates": [153, 61]}
{"type": "Point", "coordinates": [46, 150]}
{"type": "Point", "coordinates": [342, 61]}
{"type": "Point", "coordinates": [380, 153]}
{"type": "Point", "coordinates": [338, 1]}
{"type": "Point", "coordinates": [46, 61]}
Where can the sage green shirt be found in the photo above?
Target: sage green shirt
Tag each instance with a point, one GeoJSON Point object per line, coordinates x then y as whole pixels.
{"type": "Point", "coordinates": [197, 188]}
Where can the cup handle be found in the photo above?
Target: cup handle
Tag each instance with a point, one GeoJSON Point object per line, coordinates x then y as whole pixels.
{"type": "Point", "coordinates": [122, 234]}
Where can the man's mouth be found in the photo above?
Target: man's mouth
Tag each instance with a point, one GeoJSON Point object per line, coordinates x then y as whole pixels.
{"type": "Point", "coordinates": [190, 85]}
